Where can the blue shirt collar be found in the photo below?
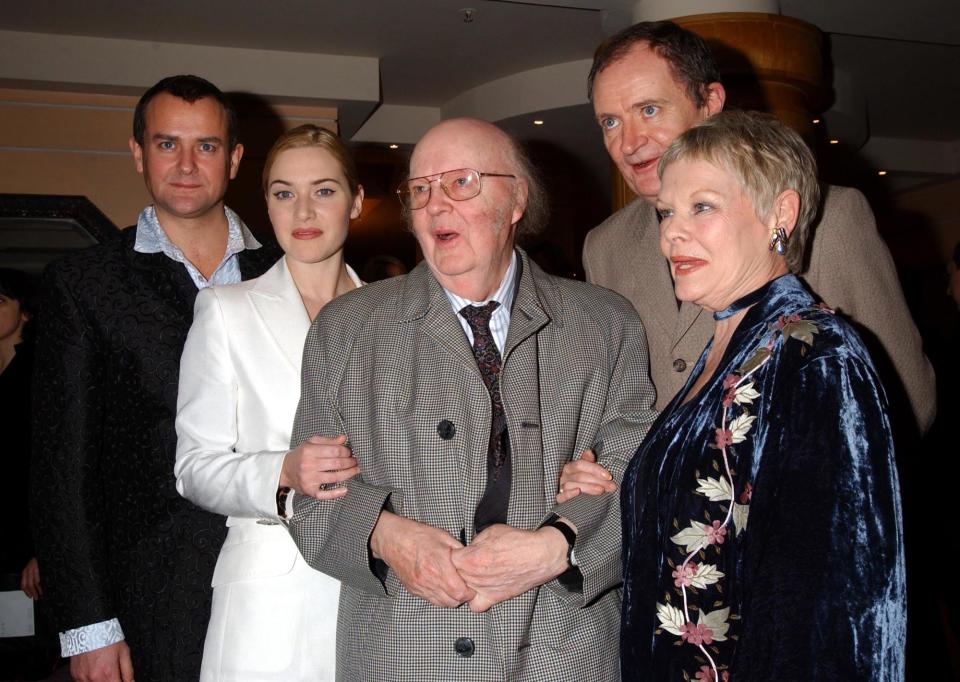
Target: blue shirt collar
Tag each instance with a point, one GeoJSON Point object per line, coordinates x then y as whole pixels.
{"type": "Point", "coordinates": [151, 237]}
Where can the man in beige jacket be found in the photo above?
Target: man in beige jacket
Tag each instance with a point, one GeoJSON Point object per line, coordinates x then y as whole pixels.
{"type": "Point", "coordinates": [651, 82]}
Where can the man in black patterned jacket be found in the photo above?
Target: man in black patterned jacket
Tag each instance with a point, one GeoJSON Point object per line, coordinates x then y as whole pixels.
{"type": "Point", "coordinates": [126, 562]}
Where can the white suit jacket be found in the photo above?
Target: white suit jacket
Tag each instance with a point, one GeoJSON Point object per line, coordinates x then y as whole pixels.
{"type": "Point", "coordinates": [239, 389]}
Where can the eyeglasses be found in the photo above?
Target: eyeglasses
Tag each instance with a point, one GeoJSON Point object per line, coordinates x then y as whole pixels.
{"type": "Point", "coordinates": [460, 184]}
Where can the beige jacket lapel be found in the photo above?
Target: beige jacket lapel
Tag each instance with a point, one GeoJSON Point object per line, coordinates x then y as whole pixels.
{"type": "Point", "coordinates": [659, 313]}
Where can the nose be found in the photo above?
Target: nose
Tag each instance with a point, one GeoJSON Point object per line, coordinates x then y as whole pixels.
{"type": "Point", "coordinates": [304, 207]}
{"type": "Point", "coordinates": [632, 138]}
{"type": "Point", "coordinates": [438, 202]}
{"type": "Point", "coordinates": [673, 229]}
{"type": "Point", "coordinates": [187, 160]}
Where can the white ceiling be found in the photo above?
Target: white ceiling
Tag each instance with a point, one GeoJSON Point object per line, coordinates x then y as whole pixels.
{"type": "Point", "coordinates": [896, 61]}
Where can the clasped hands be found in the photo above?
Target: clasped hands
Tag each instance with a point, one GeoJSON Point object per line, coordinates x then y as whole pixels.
{"type": "Point", "coordinates": [501, 562]}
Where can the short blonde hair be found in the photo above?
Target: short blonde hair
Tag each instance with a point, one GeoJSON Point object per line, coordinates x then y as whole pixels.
{"type": "Point", "coordinates": [309, 135]}
{"type": "Point", "coordinates": [766, 156]}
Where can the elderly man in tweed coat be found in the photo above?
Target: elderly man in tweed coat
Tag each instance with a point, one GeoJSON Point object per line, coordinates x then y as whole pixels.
{"type": "Point", "coordinates": [454, 568]}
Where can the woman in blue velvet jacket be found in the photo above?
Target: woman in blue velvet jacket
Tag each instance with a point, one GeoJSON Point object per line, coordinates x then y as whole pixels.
{"type": "Point", "coordinates": [762, 533]}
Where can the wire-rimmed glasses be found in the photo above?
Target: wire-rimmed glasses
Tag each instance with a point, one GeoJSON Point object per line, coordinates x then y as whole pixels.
{"type": "Point", "coordinates": [459, 184]}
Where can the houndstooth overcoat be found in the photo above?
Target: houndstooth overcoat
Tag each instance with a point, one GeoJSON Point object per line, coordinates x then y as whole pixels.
{"type": "Point", "coordinates": [387, 364]}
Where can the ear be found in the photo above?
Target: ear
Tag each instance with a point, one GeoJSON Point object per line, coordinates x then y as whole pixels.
{"type": "Point", "coordinates": [137, 152]}
{"type": "Point", "coordinates": [357, 203]}
{"type": "Point", "coordinates": [520, 200]}
{"type": "Point", "coordinates": [235, 157]}
{"type": "Point", "coordinates": [785, 211]}
{"type": "Point", "coordinates": [714, 99]}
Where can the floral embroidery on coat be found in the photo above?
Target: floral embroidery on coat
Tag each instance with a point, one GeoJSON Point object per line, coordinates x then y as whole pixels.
{"type": "Point", "coordinates": [694, 609]}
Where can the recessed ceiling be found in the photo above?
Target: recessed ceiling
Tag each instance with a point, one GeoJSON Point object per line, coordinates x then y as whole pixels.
{"type": "Point", "coordinates": [899, 58]}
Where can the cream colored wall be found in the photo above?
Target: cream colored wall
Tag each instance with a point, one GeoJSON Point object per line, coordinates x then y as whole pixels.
{"type": "Point", "coordinates": [62, 142]}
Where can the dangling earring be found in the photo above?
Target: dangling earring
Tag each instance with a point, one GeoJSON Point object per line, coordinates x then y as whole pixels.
{"type": "Point", "coordinates": [779, 240]}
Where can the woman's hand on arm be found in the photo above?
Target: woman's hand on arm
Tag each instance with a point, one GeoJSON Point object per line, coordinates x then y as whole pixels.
{"type": "Point", "coordinates": [318, 463]}
{"type": "Point", "coordinates": [584, 475]}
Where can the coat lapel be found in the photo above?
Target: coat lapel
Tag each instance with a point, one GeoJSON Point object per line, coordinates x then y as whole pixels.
{"type": "Point", "coordinates": [425, 304]}
{"type": "Point", "coordinates": [423, 297]}
{"type": "Point", "coordinates": [659, 313]}
{"type": "Point", "coordinates": [520, 386]}
{"type": "Point", "coordinates": [275, 298]}
{"type": "Point", "coordinates": [527, 316]}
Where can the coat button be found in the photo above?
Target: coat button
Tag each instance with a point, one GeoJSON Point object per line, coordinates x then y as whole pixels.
{"type": "Point", "coordinates": [446, 429]}
{"type": "Point", "coordinates": [679, 365]}
{"type": "Point", "coordinates": [464, 647]}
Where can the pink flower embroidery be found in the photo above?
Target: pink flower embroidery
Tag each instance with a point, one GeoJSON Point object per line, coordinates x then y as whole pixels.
{"type": "Point", "coordinates": [730, 389]}
{"type": "Point", "coordinates": [706, 673]}
{"type": "Point", "coordinates": [747, 494]}
{"type": "Point", "coordinates": [784, 319]}
{"type": "Point", "coordinates": [724, 438]}
{"type": "Point", "coordinates": [696, 634]}
{"type": "Point", "coordinates": [715, 534]}
{"type": "Point", "coordinates": [682, 574]}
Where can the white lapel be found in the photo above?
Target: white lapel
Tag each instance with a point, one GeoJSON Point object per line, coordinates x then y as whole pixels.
{"type": "Point", "coordinates": [276, 300]}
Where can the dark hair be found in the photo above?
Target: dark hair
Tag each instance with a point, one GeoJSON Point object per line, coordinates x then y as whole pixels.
{"type": "Point", "coordinates": [690, 58]}
{"type": "Point", "coordinates": [189, 89]}
{"type": "Point", "coordinates": [956, 255]}
{"type": "Point", "coordinates": [22, 288]}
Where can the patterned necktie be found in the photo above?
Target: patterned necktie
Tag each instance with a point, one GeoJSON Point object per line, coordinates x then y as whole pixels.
{"type": "Point", "coordinates": [488, 361]}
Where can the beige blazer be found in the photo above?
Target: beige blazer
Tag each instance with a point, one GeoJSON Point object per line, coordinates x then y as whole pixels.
{"type": "Point", "coordinates": [273, 617]}
{"type": "Point", "coordinates": [850, 269]}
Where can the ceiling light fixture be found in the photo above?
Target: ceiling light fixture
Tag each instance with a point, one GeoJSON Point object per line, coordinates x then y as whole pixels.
{"type": "Point", "coordinates": [834, 141]}
{"type": "Point", "coordinates": [394, 146]}
{"type": "Point", "coordinates": [537, 122]}
{"type": "Point", "coordinates": [881, 172]}
{"type": "Point", "coordinates": [816, 121]}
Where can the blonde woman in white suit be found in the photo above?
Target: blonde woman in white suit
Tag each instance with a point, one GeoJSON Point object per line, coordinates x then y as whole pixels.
{"type": "Point", "coordinates": [273, 617]}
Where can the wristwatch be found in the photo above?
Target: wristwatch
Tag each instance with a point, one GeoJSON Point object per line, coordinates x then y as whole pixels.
{"type": "Point", "coordinates": [283, 492]}
{"type": "Point", "coordinates": [553, 521]}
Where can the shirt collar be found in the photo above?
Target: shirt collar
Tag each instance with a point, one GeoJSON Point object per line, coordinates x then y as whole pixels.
{"type": "Point", "coordinates": [151, 237]}
{"type": "Point", "coordinates": [504, 294]}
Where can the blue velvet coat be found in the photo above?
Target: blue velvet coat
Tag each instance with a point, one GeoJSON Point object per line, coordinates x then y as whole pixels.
{"type": "Point", "coordinates": [761, 520]}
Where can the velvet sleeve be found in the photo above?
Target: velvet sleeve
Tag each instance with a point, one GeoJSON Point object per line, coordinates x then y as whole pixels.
{"type": "Point", "coordinates": [824, 576]}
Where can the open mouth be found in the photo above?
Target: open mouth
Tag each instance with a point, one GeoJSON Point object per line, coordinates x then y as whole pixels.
{"type": "Point", "coordinates": [445, 236]}
{"type": "Point", "coordinates": [645, 164]}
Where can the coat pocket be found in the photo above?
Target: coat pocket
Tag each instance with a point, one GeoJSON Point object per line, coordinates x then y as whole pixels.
{"type": "Point", "coordinates": [253, 551]}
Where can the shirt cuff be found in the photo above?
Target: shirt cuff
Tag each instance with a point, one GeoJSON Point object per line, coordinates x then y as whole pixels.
{"type": "Point", "coordinates": [89, 637]}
